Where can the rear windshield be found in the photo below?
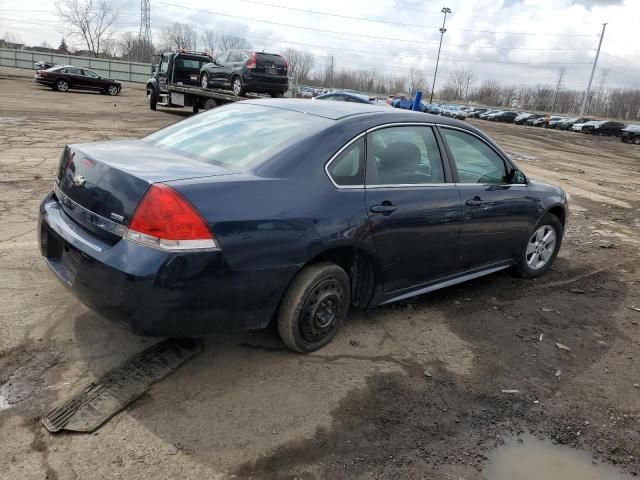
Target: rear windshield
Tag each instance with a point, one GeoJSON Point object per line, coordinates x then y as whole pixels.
{"type": "Point", "coordinates": [237, 136]}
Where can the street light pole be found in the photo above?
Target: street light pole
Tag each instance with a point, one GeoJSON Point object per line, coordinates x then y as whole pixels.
{"type": "Point", "coordinates": [444, 10]}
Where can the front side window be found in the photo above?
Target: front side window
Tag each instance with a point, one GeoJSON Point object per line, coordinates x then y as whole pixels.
{"type": "Point", "coordinates": [475, 161]}
{"type": "Point", "coordinates": [222, 58]}
{"type": "Point", "coordinates": [348, 167]}
{"type": "Point", "coordinates": [404, 155]}
{"type": "Point", "coordinates": [163, 65]}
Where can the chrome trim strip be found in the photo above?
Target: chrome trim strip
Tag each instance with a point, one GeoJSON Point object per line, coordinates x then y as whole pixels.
{"type": "Point", "coordinates": [337, 154]}
{"type": "Point", "coordinates": [446, 283]}
{"type": "Point", "coordinates": [499, 153]}
{"type": "Point", "coordinates": [359, 187]}
{"type": "Point", "coordinates": [82, 214]}
{"type": "Point", "coordinates": [401, 124]}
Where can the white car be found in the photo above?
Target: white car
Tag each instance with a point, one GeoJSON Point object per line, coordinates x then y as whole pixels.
{"type": "Point", "coordinates": [577, 127]}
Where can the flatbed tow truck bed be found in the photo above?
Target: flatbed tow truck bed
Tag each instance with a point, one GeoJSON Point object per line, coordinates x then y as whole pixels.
{"type": "Point", "coordinates": [215, 93]}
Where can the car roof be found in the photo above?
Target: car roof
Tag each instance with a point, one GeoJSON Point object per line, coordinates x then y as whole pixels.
{"type": "Point", "coordinates": [377, 113]}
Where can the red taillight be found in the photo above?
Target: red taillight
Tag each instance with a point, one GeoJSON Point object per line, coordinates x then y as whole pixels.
{"type": "Point", "coordinates": [252, 60]}
{"type": "Point", "coordinates": [164, 219]}
{"type": "Point", "coordinates": [42, 73]}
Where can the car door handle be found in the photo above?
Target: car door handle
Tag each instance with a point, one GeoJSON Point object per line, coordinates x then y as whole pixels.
{"type": "Point", "coordinates": [475, 202]}
{"type": "Point", "coordinates": [385, 209]}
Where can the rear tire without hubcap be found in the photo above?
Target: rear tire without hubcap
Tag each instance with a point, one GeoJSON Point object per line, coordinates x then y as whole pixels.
{"type": "Point", "coordinates": [314, 306]}
{"type": "Point", "coordinates": [541, 249]}
{"type": "Point", "coordinates": [62, 86]}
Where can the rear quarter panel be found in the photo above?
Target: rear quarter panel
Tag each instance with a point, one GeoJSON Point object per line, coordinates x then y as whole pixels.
{"type": "Point", "coordinates": [285, 212]}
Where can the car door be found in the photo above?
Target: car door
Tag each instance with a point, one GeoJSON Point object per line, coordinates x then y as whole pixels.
{"type": "Point", "coordinates": [163, 73]}
{"type": "Point", "coordinates": [497, 214]}
{"type": "Point", "coordinates": [74, 77]}
{"type": "Point", "coordinates": [92, 80]}
{"type": "Point", "coordinates": [414, 208]}
{"type": "Point", "coordinates": [216, 70]}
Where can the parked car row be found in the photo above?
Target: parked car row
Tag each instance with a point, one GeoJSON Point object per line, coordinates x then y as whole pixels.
{"type": "Point", "coordinates": [585, 125]}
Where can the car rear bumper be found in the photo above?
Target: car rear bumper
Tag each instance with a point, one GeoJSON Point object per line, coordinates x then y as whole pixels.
{"type": "Point", "coordinates": [265, 83]}
{"type": "Point", "coordinates": [43, 81]}
{"type": "Point", "coordinates": [153, 292]}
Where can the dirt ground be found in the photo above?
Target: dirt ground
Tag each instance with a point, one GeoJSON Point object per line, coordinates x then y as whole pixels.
{"type": "Point", "coordinates": [411, 390]}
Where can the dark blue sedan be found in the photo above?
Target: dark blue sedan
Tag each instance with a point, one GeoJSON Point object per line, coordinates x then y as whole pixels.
{"type": "Point", "coordinates": [291, 211]}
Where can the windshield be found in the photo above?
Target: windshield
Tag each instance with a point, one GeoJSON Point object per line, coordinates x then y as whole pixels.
{"type": "Point", "coordinates": [237, 136]}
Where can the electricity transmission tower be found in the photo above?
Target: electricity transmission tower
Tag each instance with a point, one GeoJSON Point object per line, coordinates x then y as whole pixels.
{"type": "Point", "coordinates": [144, 36]}
{"type": "Point", "coordinates": [561, 73]}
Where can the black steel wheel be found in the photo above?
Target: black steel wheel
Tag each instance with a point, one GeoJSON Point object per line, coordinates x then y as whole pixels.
{"type": "Point", "coordinates": [314, 307]}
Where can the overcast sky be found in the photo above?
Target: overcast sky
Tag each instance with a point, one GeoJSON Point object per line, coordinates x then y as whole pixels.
{"type": "Point", "coordinates": [513, 41]}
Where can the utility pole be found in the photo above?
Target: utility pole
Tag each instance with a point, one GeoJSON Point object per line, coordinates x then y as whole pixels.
{"type": "Point", "coordinates": [466, 90]}
{"type": "Point", "coordinates": [601, 84]}
{"type": "Point", "coordinates": [444, 10]}
{"type": "Point", "coordinates": [585, 100]}
{"type": "Point", "coordinates": [331, 72]}
{"type": "Point", "coordinates": [560, 80]}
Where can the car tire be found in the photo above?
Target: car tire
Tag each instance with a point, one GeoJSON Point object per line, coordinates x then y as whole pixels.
{"type": "Point", "coordinates": [538, 255]}
{"type": "Point", "coordinates": [62, 86]}
{"type": "Point", "coordinates": [152, 98]}
{"type": "Point", "coordinates": [204, 81]}
{"type": "Point", "coordinates": [210, 104]}
{"type": "Point", "coordinates": [113, 90]}
{"type": "Point", "coordinates": [313, 307]}
{"type": "Point", "coordinates": [237, 86]}
{"type": "Point", "coordinates": [636, 140]}
{"type": "Point", "coordinates": [276, 94]}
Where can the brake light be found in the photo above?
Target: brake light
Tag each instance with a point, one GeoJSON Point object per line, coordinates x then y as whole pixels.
{"type": "Point", "coordinates": [252, 60]}
{"type": "Point", "coordinates": [42, 73]}
{"type": "Point", "coordinates": [165, 220]}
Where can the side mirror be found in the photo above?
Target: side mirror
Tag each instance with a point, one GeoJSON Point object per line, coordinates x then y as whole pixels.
{"type": "Point", "coordinates": [154, 68]}
{"type": "Point", "coordinates": [517, 177]}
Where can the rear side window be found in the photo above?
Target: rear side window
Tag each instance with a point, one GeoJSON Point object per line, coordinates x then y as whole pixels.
{"type": "Point", "coordinates": [404, 156]}
{"type": "Point", "coordinates": [235, 56]}
{"type": "Point", "coordinates": [348, 167]}
{"type": "Point", "coordinates": [238, 136]}
{"type": "Point", "coordinates": [475, 161]}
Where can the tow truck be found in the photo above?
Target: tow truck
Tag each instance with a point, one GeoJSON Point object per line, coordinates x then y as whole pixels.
{"type": "Point", "coordinates": [175, 82]}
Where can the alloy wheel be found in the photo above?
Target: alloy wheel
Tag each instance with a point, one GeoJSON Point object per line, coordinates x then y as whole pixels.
{"type": "Point", "coordinates": [113, 90]}
{"type": "Point", "coordinates": [204, 81]}
{"type": "Point", "coordinates": [63, 86]}
{"type": "Point", "coordinates": [541, 246]}
{"type": "Point", "coordinates": [237, 86]}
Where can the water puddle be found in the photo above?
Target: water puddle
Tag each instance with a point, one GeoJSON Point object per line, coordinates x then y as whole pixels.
{"type": "Point", "coordinates": [12, 120]}
{"type": "Point", "coordinates": [529, 458]}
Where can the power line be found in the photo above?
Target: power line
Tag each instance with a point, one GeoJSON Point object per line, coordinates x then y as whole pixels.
{"type": "Point", "coordinates": [245, 18]}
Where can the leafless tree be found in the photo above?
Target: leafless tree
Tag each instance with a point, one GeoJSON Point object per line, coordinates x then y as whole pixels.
{"type": "Point", "coordinates": [458, 84]}
{"type": "Point", "coordinates": [210, 40]}
{"type": "Point", "coordinates": [227, 42]}
{"type": "Point", "coordinates": [89, 20]}
{"type": "Point", "coordinates": [179, 36]}
{"type": "Point", "coordinates": [300, 64]}
{"type": "Point", "coordinates": [416, 80]}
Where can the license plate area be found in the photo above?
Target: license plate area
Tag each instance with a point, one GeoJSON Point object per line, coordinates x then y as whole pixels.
{"type": "Point", "coordinates": [60, 258]}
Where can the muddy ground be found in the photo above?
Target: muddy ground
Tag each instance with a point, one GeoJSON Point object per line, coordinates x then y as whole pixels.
{"type": "Point", "coordinates": [411, 390]}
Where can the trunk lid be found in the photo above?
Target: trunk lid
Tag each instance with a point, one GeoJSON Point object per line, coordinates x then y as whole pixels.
{"type": "Point", "coordinates": [270, 64]}
{"type": "Point", "coordinates": [107, 180]}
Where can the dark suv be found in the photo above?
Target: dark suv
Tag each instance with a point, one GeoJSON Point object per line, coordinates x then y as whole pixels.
{"type": "Point", "coordinates": [247, 71]}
